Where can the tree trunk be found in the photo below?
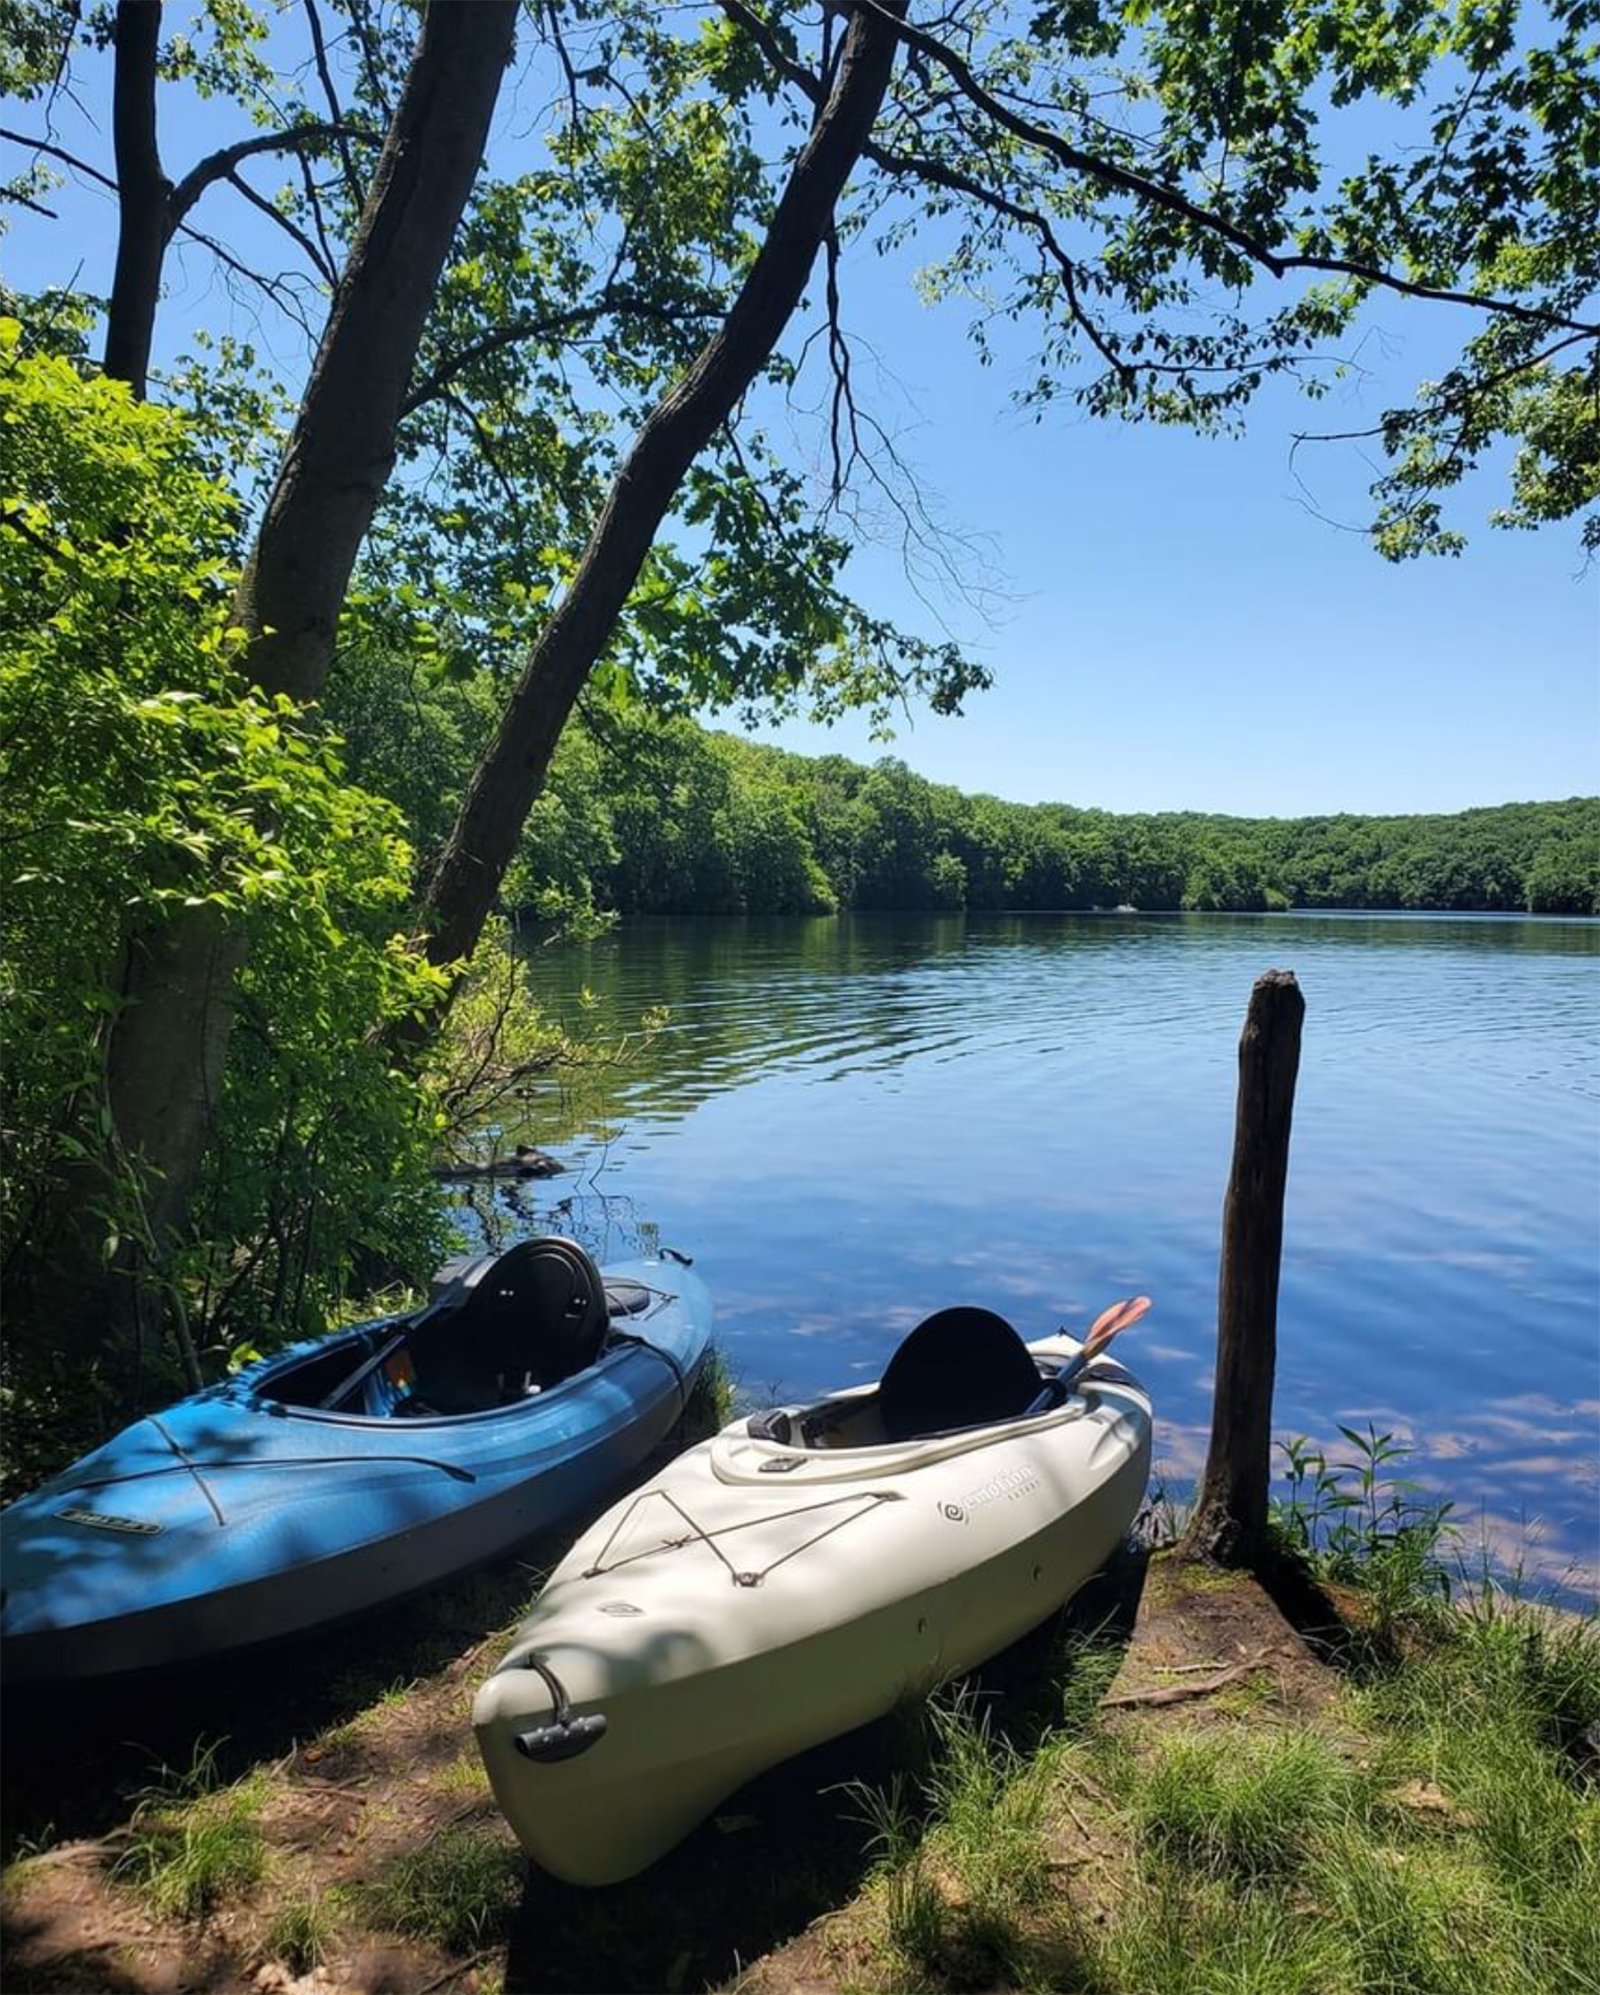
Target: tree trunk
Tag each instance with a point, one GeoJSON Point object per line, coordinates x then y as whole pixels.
{"type": "Point", "coordinates": [169, 1045]}
{"type": "Point", "coordinates": [1229, 1526]}
{"type": "Point", "coordinates": [142, 193]}
{"type": "Point", "coordinates": [343, 447]}
{"type": "Point", "coordinates": [513, 767]}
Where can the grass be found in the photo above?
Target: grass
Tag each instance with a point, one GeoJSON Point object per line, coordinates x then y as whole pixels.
{"type": "Point", "coordinates": [1435, 1832]}
{"type": "Point", "coordinates": [302, 1929]}
{"type": "Point", "coordinates": [1441, 1842]}
{"type": "Point", "coordinates": [962, 1849]}
{"type": "Point", "coordinates": [193, 1842]}
{"type": "Point", "coordinates": [1178, 1935]}
{"type": "Point", "coordinates": [457, 1890]}
{"type": "Point", "coordinates": [714, 1400]}
{"type": "Point", "coordinates": [464, 1775]}
{"type": "Point", "coordinates": [1239, 1804]}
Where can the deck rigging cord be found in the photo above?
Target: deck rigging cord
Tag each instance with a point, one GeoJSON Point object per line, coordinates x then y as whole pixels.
{"type": "Point", "coordinates": [867, 1501]}
{"type": "Point", "coordinates": [270, 1462]}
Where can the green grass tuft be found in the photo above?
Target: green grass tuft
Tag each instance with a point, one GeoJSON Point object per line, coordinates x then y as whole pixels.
{"type": "Point", "coordinates": [1179, 1934]}
{"type": "Point", "coordinates": [302, 1929]}
{"type": "Point", "coordinates": [714, 1400]}
{"type": "Point", "coordinates": [912, 1903]}
{"type": "Point", "coordinates": [193, 1842]}
{"type": "Point", "coordinates": [1240, 1804]}
{"type": "Point", "coordinates": [961, 1851]}
{"type": "Point", "coordinates": [457, 1890]}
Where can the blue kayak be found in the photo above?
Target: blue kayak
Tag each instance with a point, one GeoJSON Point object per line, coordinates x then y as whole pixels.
{"type": "Point", "coordinates": [350, 1471]}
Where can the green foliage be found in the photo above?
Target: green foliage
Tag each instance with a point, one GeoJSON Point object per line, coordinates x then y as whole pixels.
{"type": "Point", "coordinates": [34, 39]}
{"type": "Point", "coordinates": [1359, 1523]}
{"type": "Point", "coordinates": [142, 777]}
{"type": "Point", "coordinates": [646, 816]}
{"type": "Point", "coordinates": [1344, 154]}
{"type": "Point", "coordinates": [481, 1067]}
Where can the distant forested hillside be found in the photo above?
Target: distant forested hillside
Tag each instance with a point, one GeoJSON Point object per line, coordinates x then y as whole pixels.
{"type": "Point", "coordinates": [646, 816]}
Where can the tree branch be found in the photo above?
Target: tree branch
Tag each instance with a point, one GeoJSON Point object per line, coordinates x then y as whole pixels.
{"type": "Point", "coordinates": [221, 165]}
{"type": "Point", "coordinates": [1029, 218]}
{"type": "Point", "coordinates": [275, 288]}
{"type": "Point", "coordinates": [1158, 194]}
{"type": "Point", "coordinates": [319, 262]}
{"type": "Point", "coordinates": [319, 56]}
{"type": "Point", "coordinates": [762, 35]}
{"type": "Point", "coordinates": [621, 303]}
{"type": "Point", "coordinates": [1461, 398]}
{"type": "Point", "coordinates": [59, 152]}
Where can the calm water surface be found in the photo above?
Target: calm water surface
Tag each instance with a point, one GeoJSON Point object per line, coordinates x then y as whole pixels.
{"type": "Point", "coordinates": [851, 1122]}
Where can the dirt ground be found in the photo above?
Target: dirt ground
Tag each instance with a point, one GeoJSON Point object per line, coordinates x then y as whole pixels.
{"type": "Point", "coordinates": [360, 1755]}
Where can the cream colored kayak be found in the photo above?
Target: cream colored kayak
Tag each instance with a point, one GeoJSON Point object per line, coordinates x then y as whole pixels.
{"type": "Point", "coordinates": [773, 1588]}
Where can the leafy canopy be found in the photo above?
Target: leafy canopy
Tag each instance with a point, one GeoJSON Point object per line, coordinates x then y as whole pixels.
{"type": "Point", "coordinates": [140, 775]}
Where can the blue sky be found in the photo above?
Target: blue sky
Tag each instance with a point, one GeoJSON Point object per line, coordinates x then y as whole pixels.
{"type": "Point", "coordinates": [1181, 631]}
{"type": "Point", "coordinates": [1170, 626]}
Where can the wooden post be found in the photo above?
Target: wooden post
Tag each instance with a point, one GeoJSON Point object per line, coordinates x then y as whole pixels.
{"type": "Point", "coordinates": [1229, 1526]}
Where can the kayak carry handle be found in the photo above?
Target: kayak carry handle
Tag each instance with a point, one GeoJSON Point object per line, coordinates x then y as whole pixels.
{"type": "Point", "coordinates": [565, 1736]}
{"type": "Point", "coordinates": [549, 1743]}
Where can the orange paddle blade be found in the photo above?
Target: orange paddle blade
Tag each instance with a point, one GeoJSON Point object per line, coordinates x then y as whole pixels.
{"type": "Point", "coordinates": [1106, 1325]}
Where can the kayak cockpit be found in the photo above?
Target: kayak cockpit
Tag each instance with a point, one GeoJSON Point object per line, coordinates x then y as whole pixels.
{"type": "Point", "coordinates": [499, 1329]}
{"type": "Point", "coordinates": [960, 1369]}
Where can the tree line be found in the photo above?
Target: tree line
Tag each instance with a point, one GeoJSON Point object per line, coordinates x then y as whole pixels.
{"type": "Point", "coordinates": [645, 815]}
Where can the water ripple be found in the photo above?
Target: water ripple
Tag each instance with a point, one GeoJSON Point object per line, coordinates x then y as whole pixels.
{"type": "Point", "coordinates": [853, 1121]}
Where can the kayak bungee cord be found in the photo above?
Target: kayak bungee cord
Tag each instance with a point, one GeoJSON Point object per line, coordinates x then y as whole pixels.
{"type": "Point", "coordinates": [188, 1462]}
{"type": "Point", "coordinates": [272, 1462]}
{"type": "Point", "coordinates": [655, 1350]}
{"type": "Point", "coordinates": [868, 1499]}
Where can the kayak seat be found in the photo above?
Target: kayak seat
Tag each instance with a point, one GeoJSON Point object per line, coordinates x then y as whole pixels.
{"type": "Point", "coordinates": [962, 1367]}
{"type": "Point", "coordinates": [534, 1318]}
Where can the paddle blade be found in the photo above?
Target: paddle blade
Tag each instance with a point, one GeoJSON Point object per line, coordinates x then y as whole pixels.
{"type": "Point", "coordinates": [1106, 1325]}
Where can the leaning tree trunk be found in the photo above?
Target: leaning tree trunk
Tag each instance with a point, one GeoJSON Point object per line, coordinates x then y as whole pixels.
{"type": "Point", "coordinates": [1229, 1525]}
{"type": "Point", "coordinates": [512, 769]}
{"type": "Point", "coordinates": [167, 1051]}
{"type": "Point", "coordinates": [142, 191]}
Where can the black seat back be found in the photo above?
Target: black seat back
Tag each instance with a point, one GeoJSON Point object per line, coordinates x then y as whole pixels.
{"type": "Point", "coordinates": [539, 1311]}
{"type": "Point", "coordinates": [961, 1367]}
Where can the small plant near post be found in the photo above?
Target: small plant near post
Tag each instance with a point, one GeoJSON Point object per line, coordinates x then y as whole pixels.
{"type": "Point", "coordinates": [1229, 1525]}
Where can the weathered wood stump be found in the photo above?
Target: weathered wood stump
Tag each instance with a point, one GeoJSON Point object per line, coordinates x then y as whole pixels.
{"type": "Point", "coordinates": [1229, 1525]}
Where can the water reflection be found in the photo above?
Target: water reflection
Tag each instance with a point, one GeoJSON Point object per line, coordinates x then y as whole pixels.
{"type": "Point", "coordinates": [852, 1121]}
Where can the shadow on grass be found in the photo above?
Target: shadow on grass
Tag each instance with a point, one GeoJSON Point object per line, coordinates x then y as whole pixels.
{"type": "Point", "coordinates": [72, 1758]}
{"type": "Point", "coordinates": [793, 1844]}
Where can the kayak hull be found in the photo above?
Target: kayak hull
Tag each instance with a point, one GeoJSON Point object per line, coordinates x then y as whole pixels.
{"type": "Point", "coordinates": [732, 1614]}
{"type": "Point", "coordinates": [231, 1519]}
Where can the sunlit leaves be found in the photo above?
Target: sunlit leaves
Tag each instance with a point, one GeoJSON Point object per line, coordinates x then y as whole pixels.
{"type": "Point", "coordinates": [141, 777]}
{"type": "Point", "coordinates": [1480, 122]}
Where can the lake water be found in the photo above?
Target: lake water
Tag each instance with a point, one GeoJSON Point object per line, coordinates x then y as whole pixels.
{"type": "Point", "coordinates": [851, 1122]}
